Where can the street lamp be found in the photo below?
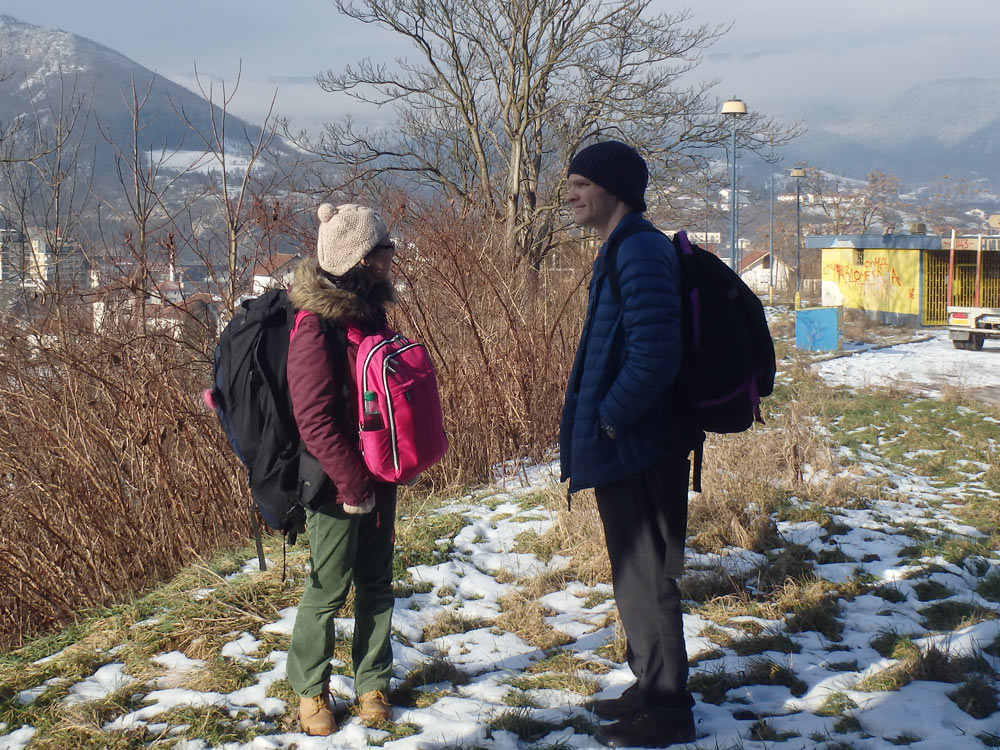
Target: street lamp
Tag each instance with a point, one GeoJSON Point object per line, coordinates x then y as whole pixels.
{"type": "Point", "coordinates": [770, 233]}
{"type": "Point", "coordinates": [737, 109]}
{"type": "Point", "coordinates": [798, 173]}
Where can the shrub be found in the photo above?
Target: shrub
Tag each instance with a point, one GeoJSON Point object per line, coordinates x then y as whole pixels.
{"type": "Point", "coordinates": [113, 474]}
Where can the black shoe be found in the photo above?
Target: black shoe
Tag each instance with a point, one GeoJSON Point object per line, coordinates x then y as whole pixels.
{"type": "Point", "coordinates": [622, 707]}
{"type": "Point", "coordinates": [642, 730]}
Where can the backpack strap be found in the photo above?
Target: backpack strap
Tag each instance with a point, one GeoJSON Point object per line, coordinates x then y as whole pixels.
{"type": "Point", "coordinates": [611, 255]}
{"type": "Point", "coordinates": [699, 453]}
{"type": "Point", "coordinates": [258, 542]}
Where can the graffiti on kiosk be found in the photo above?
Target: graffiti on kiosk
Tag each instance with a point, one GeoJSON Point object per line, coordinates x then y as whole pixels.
{"type": "Point", "coordinates": [875, 274]}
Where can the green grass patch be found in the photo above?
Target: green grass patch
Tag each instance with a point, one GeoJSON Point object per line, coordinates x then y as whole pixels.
{"type": "Point", "coordinates": [762, 731]}
{"type": "Point", "coordinates": [794, 562]}
{"type": "Point", "coordinates": [977, 697]}
{"type": "Point", "coordinates": [952, 615]}
{"type": "Point", "coordinates": [425, 540]}
{"type": "Point", "coordinates": [930, 664]}
{"type": "Point", "coordinates": [892, 645]}
{"type": "Point", "coordinates": [842, 666]}
{"type": "Point", "coordinates": [836, 704]}
{"type": "Point", "coordinates": [712, 685]}
{"type": "Point", "coordinates": [918, 433]}
{"type": "Point", "coordinates": [836, 555]}
{"type": "Point", "coordinates": [214, 726]}
{"type": "Point", "coordinates": [564, 660]}
{"type": "Point", "coordinates": [989, 739]}
{"type": "Point", "coordinates": [396, 731]}
{"type": "Point", "coordinates": [928, 591]}
{"type": "Point", "coordinates": [768, 672]}
{"type": "Point", "coordinates": [437, 670]}
{"type": "Point", "coordinates": [556, 681]}
{"type": "Point", "coordinates": [595, 598]}
{"type": "Point", "coordinates": [846, 725]}
{"type": "Point", "coordinates": [889, 593]}
{"type": "Point", "coordinates": [451, 622]}
{"type": "Point", "coordinates": [767, 641]}
{"type": "Point", "coordinates": [822, 617]}
{"type": "Point", "coordinates": [522, 723]}
{"type": "Point", "coordinates": [989, 586]}
{"type": "Point", "coordinates": [519, 699]}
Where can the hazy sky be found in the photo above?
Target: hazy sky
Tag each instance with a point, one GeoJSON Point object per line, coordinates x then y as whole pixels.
{"type": "Point", "coordinates": [781, 56]}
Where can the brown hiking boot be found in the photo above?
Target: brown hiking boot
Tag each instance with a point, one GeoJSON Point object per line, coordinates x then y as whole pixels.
{"type": "Point", "coordinates": [316, 715]}
{"type": "Point", "coordinates": [373, 708]}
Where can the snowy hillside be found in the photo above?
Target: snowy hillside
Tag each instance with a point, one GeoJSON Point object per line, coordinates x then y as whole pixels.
{"type": "Point", "coordinates": [945, 127]}
{"type": "Point", "coordinates": [54, 74]}
{"type": "Point", "coordinates": [869, 622]}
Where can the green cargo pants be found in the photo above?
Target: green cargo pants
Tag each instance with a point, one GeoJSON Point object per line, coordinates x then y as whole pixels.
{"type": "Point", "coordinates": [342, 548]}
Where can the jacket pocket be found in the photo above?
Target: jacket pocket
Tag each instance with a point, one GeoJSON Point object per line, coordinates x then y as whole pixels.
{"type": "Point", "coordinates": [315, 487]}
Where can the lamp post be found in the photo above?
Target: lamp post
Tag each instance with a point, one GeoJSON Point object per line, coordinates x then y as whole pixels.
{"type": "Point", "coordinates": [798, 173]}
{"type": "Point", "coordinates": [736, 108]}
{"type": "Point", "coordinates": [770, 235]}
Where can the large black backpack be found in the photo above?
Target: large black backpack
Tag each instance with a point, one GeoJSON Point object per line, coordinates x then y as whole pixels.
{"type": "Point", "coordinates": [250, 394]}
{"type": "Point", "coordinates": [727, 357]}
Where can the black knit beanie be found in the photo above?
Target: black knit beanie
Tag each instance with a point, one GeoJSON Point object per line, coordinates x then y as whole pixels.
{"type": "Point", "coordinates": [616, 167]}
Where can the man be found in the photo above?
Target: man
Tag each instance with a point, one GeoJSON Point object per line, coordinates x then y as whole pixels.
{"type": "Point", "coordinates": [621, 436]}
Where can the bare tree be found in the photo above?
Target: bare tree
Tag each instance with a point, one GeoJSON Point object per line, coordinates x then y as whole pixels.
{"type": "Point", "coordinates": [944, 206]}
{"type": "Point", "coordinates": [231, 185]}
{"type": "Point", "coordinates": [503, 94]}
{"type": "Point", "coordinates": [141, 172]}
{"type": "Point", "coordinates": [46, 185]}
{"type": "Point", "coordinates": [855, 209]}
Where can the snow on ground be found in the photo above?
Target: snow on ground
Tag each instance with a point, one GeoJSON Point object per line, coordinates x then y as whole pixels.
{"type": "Point", "coordinates": [871, 541]}
{"type": "Point", "coordinates": [926, 366]}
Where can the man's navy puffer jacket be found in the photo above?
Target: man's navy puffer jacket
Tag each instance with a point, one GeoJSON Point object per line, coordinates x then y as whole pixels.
{"type": "Point", "coordinates": [626, 362]}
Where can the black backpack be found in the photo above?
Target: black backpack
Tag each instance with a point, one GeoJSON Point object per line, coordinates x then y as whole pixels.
{"type": "Point", "coordinates": [727, 357]}
{"type": "Point", "coordinates": [250, 395]}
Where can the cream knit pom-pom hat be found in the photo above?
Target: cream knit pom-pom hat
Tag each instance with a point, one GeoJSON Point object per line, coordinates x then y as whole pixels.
{"type": "Point", "coordinates": [347, 233]}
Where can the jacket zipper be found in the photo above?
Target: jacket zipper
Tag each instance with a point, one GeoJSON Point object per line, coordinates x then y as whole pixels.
{"type": "Point", "coordinates": [391, 416]}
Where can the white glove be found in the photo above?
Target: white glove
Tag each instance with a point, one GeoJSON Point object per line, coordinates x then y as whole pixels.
{"type": "Point", "coordinates": [359, 510]}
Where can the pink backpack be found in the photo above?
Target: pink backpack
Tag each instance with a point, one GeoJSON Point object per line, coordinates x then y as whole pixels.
{"type": "Point", "coordinates": [399, 372]}
{"type": "Point", "coordinates": [410, 437]}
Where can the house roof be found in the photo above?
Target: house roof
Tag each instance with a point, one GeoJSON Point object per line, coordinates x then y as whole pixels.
{"type": "Point", "coordinates": [875, 241]}
{"type": "Point", "coordinates": [274, 265]}
{"type": "Point", "coordinates": [751, 259]}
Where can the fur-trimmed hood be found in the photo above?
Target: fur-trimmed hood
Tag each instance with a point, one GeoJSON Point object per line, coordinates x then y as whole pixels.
{"type": "Point", "coordinates": [314, 291]}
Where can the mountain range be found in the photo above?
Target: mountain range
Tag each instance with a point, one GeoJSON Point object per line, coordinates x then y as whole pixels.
{"type": "Point", "coordinates": [944, 127]}
{"type": "Point", "coordinates": [49, 72]}
{"type": "Point", "coordinates": [937, 128]}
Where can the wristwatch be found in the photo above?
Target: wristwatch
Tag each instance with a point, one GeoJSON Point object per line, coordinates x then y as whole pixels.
{"type": "Point", "coordinates": [609, 430]}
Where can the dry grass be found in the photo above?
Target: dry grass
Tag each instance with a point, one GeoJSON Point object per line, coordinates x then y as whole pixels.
{"type": "Point", "coordinates": [501, 334]}
{"type": "Point", "coordinates": [522, 615]}
{"type": "Point", "coordinates": [914, 663]}
{"type": "Point", "coordinates": [575, 683]}
{"type": "Point", "coordinates": [566, 661]}
{"type": "Point", "coordinates": [450, 622]}
{"type": "Point", "coordinates": [114, 475]}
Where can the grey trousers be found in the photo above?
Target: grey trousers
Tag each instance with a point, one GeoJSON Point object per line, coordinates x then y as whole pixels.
{"type": "Point", "coordinates": [645, 524]}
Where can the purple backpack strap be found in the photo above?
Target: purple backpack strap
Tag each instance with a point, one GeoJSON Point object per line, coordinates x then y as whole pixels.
{"type": "Point", "coordinates": [683, 243]}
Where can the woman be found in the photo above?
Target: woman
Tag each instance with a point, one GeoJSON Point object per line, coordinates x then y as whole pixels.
{"type": "Point", "coordinates": [351, 529]}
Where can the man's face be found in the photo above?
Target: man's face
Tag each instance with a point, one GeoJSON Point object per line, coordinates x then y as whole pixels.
{"type": "Point", "coordinates": [592, 205]}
